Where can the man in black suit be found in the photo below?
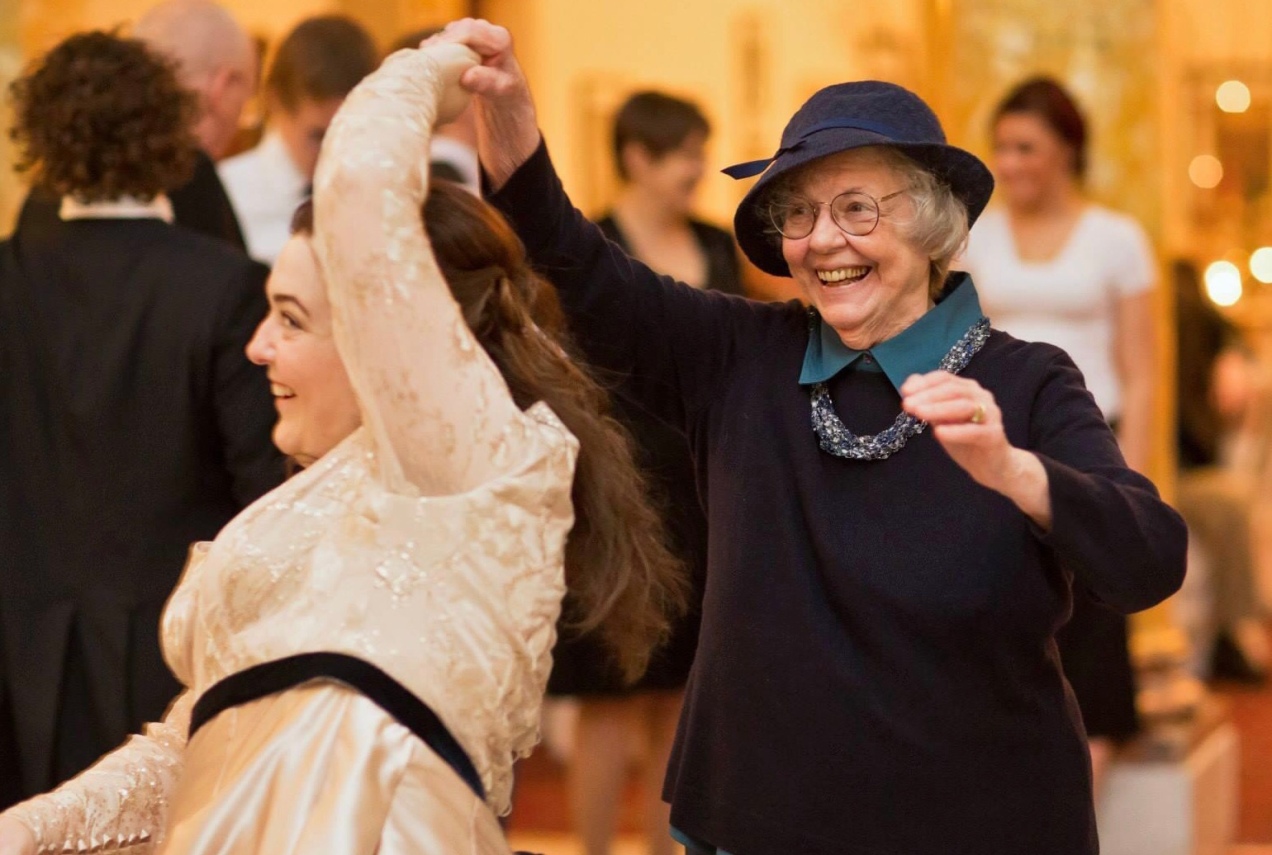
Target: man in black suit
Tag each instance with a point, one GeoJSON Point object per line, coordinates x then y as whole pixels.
{"type": "Point", "coordinates": [133, 423]}
{"type": "Point", "coordinates": [215, 60]}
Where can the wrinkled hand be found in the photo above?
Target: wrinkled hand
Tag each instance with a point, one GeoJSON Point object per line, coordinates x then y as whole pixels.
{"type": "Point", "coordinates": [507, 125]}
{"type": "Point", "coordinates": [953, 406]}
{"type": "Point", "coordinates": [15, 838]}
{"type": "Point", "coordinates": [966, 421]}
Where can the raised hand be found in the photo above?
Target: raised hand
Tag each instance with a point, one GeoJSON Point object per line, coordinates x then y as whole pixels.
{"type": "Point", "coordinates": [507, 125]}
{"type": "Point", "coordinates": [15, 838]}
{"type": "Point", "coordinates": [454, 60]}
{"type": "Point", "coordinates": [966, 421]}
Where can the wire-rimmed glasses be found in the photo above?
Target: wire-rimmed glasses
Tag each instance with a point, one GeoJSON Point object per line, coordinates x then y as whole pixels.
{"type": "Point", "coordinates": [855, 213]}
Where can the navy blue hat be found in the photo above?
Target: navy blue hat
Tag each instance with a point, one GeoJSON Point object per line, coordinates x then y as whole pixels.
{"type": "Point", "coordinates": [847, 116]}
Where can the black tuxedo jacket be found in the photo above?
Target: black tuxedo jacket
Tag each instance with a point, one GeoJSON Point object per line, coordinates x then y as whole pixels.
{"type": "Point", "coordinates": [131, 424]}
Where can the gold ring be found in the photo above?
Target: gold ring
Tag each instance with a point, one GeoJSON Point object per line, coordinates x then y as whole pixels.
{"type": "Point", "coordinates": [978, 414]}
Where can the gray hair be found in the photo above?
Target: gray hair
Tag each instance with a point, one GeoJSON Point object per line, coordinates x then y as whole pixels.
{"type": "Point", "coordinates": [939, 226]}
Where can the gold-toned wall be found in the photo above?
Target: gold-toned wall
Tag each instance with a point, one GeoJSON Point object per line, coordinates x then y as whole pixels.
{"type": "Point", "coordinates": [44, 22]}
{"type": "Point", "coordinates": [10, 64]}
{"type": "Point", "coordinates": [749, 63]}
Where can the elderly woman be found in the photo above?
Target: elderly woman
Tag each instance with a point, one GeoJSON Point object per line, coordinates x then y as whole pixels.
{"type": "Point", "coordinates": [900, 499]}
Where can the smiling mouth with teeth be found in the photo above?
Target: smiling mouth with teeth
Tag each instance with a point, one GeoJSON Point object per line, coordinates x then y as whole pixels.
{"type": "Point", "coordinates": [844, 275]}
{"type": "Point", "coordinates": [278, 390]}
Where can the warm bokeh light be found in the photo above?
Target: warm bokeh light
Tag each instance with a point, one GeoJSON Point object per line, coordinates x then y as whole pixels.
{"type": "Point", "coordinates": [1223, 283]}
{"type": "Point", "coordinates": [1261, 264]}
{"type": "Point", "coordinates": [1233, 96]}
{"type": "Point", "coordinates": [1205, 171]}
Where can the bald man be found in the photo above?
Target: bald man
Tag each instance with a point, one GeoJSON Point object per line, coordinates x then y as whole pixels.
{"type": "Point", "coordinates": [216, 61]}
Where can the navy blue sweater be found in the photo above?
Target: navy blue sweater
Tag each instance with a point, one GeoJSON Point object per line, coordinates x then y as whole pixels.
{"type": "Point", "coordinates": [876, 672]}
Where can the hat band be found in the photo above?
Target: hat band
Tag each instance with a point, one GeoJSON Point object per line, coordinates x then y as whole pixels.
{"type": "Point", "coordinates": [752, 168]}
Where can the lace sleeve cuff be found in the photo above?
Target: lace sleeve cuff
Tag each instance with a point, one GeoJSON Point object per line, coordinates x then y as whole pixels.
{"type": "Point", "coordinates": [120, 803]}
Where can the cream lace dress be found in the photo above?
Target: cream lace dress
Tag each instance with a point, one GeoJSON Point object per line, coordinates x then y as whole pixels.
{"type": "Point", "coordinates": [429, 542]}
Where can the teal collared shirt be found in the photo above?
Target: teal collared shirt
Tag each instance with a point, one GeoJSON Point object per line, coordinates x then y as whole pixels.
{"type": "Point", "coordinates": [917, 349]}
{"type": "Point", "coordinates": [693, 846]}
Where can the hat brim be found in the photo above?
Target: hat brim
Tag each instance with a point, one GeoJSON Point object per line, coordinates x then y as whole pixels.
{"type": "Point", "coordinates": [963, 171]}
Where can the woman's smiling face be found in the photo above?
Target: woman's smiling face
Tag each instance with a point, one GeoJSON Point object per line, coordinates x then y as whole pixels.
{"type": "Point", "coordinates": [869, 287]}
{"type": "Point", "coordinates": [316, 404]}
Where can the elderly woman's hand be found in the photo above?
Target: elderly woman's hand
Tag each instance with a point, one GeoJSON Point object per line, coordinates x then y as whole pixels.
{"type": "Point", "coordinates": [507, 126]}
{"type": "Point", "coordinates": [966, 420]}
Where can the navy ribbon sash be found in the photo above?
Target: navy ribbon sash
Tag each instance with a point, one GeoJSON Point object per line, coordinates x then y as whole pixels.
{"type": "Point", "coordinates": [268, 678]}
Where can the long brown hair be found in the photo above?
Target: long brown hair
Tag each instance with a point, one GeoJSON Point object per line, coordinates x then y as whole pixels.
{"type": "Point", "coordinates": [623, 583]}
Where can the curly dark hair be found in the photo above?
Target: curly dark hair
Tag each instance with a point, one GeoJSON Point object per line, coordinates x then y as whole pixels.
{"type": "Point", "coordinates": [101, 116]}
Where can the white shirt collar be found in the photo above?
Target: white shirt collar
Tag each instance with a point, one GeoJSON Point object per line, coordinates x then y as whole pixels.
{"type": "Point", "coordinates": [123, 208]}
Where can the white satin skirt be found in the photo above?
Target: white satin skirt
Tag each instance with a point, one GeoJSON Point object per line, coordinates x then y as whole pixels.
{"type": "Point", "coordinates": [321, 769]}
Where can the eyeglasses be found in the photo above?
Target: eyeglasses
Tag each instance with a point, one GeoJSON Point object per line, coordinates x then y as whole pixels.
{"type": "Point", "coordinates": [854, 212]}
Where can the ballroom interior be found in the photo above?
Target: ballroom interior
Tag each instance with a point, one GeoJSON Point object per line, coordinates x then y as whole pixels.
{"type": "Point", "coordinates": [1178, 94]}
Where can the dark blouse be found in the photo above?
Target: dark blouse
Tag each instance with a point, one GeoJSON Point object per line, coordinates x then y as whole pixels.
{"type": "Point", "coordinates": [876, 671]}
{"type": "Point", "coordinates": [724, 273]}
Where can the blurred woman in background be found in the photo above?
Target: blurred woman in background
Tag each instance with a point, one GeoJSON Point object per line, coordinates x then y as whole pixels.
{"type": "Point", "coordinates": [660, 154]}
{"type": "Point", "coordinates": [1054, 267]}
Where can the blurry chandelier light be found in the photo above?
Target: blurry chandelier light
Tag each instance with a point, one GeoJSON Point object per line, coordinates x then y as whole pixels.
{"type": "Point", "coordinates": [1205, 171]}
{"type": "Point", "coordinates": [1261, 264]}
{"type": "Point", "coordinates": [1223, 283]}
{"type": "Point", "coordinates": [1233, 96]}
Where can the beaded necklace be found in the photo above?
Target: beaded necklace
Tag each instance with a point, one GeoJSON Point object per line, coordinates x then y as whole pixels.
{"type": "Point", "coordinates": [835, 438]}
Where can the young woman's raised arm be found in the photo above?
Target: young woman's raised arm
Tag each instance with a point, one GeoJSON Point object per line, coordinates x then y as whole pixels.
{"type": "Point", "coordinates": [436, 408]}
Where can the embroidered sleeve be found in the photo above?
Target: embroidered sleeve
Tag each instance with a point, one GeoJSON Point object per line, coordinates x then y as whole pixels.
{"type": "Point", "coordinates": [121, 802]}
{"type": "Point", "coordinates": [436, 408]}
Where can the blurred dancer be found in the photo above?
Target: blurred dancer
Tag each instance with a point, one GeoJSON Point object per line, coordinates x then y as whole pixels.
{"type": "Point", "coordinates": [216, 62]}
{"type": "Point", "coordinates": [316, 66]}
{"type": "Point", "coordinates": [1216, 395]}
{"type": "Point", "coordinates": [133, 424]}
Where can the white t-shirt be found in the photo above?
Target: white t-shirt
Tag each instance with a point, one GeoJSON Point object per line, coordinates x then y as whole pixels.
{"type": "Point", "coordinates": [1071, 300]}
{"type": "Point", "coordinates": [265, 188]}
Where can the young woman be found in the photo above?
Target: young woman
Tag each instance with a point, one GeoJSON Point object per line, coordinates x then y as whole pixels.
{"type": "Point", "coordinates": [365, 649]}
